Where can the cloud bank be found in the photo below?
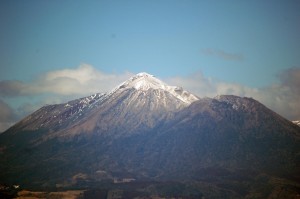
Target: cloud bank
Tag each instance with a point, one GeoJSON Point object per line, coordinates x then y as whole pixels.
{"type": "Point", "coordinates": [62, 85]}
{"type": "Point", "coordinates": [83, 80]}
{"type": "Point", "coordinates": [282, 97]}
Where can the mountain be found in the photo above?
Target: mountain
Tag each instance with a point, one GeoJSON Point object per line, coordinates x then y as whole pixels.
{"type": "Point", "coordinates": [154, 139]}
{"type": "Point", "coordinates": [139, 102]}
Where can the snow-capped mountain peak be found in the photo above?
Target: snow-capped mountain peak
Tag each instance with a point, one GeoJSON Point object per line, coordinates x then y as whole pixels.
{"type": "Point", "coordinates": [144, 81]}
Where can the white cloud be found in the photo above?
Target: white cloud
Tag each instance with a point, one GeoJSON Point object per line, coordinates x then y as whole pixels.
{"type": "Point", "coordinates": [80, 81]}
{"type": "Point", "coordinates": [83, 80]}
{"type": "Point", "coordinates": [209, 87]}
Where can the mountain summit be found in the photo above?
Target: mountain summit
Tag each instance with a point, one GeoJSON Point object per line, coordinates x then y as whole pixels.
{"type": "Point", "coordinates": [144, 81]}
{"type": "Point", "coordinates": [147, 131]}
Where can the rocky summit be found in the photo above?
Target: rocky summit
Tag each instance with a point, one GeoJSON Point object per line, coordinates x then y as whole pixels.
{"type": "Point", "coordinates": [148, 139]}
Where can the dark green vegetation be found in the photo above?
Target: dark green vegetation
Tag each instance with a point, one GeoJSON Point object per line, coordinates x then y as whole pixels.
{"type": "Point", "coordinates": [226, 147]}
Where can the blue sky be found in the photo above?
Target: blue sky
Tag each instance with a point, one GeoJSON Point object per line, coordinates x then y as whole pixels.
{"type": "Point", "coordinates": [234, 47]}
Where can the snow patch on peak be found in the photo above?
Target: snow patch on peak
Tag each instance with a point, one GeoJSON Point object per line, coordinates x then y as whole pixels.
{"type": "Point", "coordinates": [144, 81]}
{"type": "Point", "coordinates": [297, 122]}
{"type": "Point", "coordinates": [144, 74]}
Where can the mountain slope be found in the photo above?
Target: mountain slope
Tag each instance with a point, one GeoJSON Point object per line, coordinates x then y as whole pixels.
{"type": "Point", "coordinates": [215, 133]}
{"type": "Point", "coordinates": [149, 131]}
{"type": "Point", "coordinates": [142, 96]}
